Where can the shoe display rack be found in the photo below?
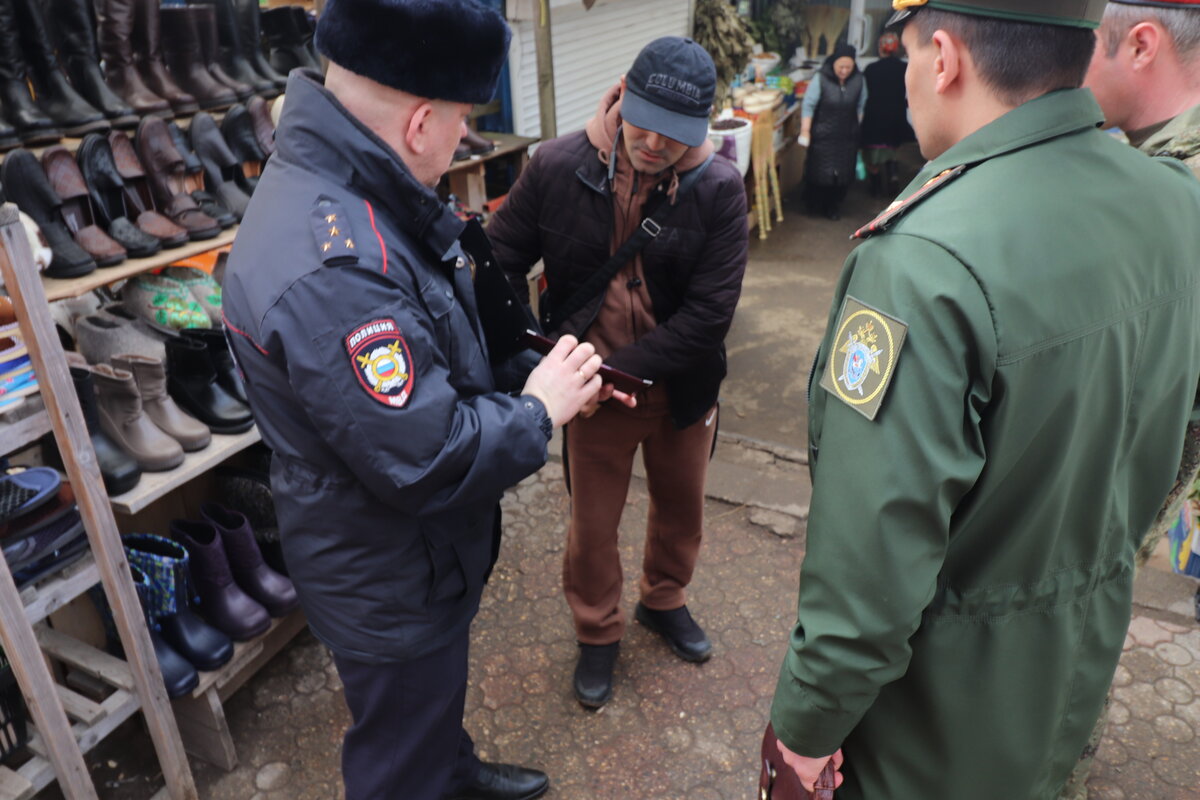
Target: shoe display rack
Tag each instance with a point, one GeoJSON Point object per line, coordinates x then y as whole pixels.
{"type": "Point", "coordinates": [466, 177]}
{"type": "Point", "coordinates": [66, 724]}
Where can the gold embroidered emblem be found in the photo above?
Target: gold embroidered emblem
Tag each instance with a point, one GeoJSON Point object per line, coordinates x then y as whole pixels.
{"type": "Point", "coordinates": [863, 362]}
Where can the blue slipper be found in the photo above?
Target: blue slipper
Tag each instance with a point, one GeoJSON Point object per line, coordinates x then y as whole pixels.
{"type": "Point", "coordinates": [24, 491]}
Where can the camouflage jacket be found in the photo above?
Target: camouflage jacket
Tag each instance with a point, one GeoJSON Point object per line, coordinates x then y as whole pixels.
{"type": "Point", "coordinates": [1179, 138]}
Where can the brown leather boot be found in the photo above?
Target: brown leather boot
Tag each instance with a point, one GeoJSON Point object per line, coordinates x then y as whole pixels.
{"type": "Point", "coordinates": [206, 24]}
{"type": "Point", "coordinates": [114, 27]}
{"type": "Point", "coordinates": [149, 46]}
{"type": "Point", "coordinates": [150, 375]}
{"type": "Point", "coordinates": [122, 418]}
{"type": "Point", "coordinates": [181, 39]}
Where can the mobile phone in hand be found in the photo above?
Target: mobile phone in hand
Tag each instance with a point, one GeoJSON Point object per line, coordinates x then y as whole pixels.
{"type": "Point", "coordinates": [622, 381]}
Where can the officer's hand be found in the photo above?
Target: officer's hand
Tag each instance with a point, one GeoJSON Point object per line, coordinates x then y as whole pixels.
{"type": "Point", "coordinates": [565, 380]}
{"type": "Point", "coordinates": [809, 769]}
{"type": "Point", "coordinates": [607, 391]}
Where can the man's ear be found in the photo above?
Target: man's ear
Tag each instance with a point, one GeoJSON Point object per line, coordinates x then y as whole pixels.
{"type": "Point", "coordinates": [417, 135]}
{"type": "Point", "coordinates": [948, 65]}
{"type": "Point", "coordinates": [1142, 44]}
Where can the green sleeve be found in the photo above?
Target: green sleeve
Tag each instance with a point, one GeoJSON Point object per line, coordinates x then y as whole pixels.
{"type": "Point", "coordinates": [884, 491]}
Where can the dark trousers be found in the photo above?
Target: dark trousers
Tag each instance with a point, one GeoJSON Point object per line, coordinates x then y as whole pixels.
{"type": "Point", "coordinates": [407, 740]}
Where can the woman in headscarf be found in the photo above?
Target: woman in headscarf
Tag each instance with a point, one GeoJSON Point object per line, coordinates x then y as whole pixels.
{"type": "Point", "coordinates": [829, 125]}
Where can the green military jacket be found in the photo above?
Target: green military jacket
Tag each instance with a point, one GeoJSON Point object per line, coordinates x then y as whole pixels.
{"type": "Point", "coordinates": [1179, 138]}
{"type": "Point", "coordinates": [1023, 335]}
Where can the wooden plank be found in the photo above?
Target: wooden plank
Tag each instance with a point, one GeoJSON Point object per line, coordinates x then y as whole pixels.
{"type": "Point", "coordinates": [243, 654]}
{"type": "Point", "coordinates": [507, 144]}
{"type": "Point", "coordinates": [16, 635]}
{"type": "Point", "coordinates": [86, 658]}
{"type": "Point", "coordinates": [59, 288]}
{"type": "Point", "coordinates": [14, 786]}
{"type": "Point", "coordinates": [18, 433]}
{"type": "Point", "coordinates": [120, 706]}
{"type": "Point", "coordinates": [62, 589]}
{"type": "Point", "coordinates": [469, 186]}
{"type": "Point", "coordinates": [275, 639]}
{"type": "Point", "coordinates": [544, 50]}
{"type": "Point", "coordinates": [154, 485]}
{"type": "Point", "coordinates": [79, 708]}
{"type": "Point", "coordinates": [205, 731]}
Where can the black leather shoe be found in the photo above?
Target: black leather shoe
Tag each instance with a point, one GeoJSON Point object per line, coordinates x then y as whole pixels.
{"type": "Point", "coordinates": [685, 637]}
{"type": "Point", "coordinates": [593, 674]}
{"type": "Point", "coordinates": [192, 383]}
{"type": "Point", "coordinates": [504, 782]}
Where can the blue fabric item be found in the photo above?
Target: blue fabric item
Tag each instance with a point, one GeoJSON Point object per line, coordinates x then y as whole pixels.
{"type": "Point", "coordinates": [36, 485]}
{"type": "Point", "coordinates": [165, 563]}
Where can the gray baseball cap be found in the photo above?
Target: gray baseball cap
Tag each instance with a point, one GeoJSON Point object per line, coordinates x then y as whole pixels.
{"type": "Point", "coordinates": [669, 90]}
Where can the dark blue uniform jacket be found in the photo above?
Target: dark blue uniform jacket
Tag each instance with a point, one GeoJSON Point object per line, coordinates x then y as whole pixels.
{"type": "Point", "coordinates": [352, 314]}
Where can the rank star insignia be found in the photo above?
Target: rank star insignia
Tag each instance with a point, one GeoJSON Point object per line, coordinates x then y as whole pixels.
{"type": "Point", "coordinates": [349, 244]}
{"type": "Point", "coordinates": [381, 361]}
{"type": "Point", "coordinates": [325, 247]}
{"type": "Point", "coordinates": [861, 368]}
{"type": "Point", "coordinates": [331, 218]}
{"type": "Point", "coordinates": [333, 231]}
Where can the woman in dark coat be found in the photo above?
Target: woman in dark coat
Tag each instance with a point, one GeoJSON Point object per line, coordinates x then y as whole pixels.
{"type": "Point", "coordinates": [829, 125]}
{"type": "Point", "coordinates": [885, 121]}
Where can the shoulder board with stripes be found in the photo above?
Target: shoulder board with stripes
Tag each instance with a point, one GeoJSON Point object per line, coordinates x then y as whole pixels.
{"type": "Point", "coordinates": [901, 207]}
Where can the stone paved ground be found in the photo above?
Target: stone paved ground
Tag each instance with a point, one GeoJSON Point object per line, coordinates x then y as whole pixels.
{"type": "Point", "coordinates": [673, 730]}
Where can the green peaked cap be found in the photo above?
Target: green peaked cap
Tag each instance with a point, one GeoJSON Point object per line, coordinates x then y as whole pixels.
{"type": "Point", "coordinates": [1069, 13]}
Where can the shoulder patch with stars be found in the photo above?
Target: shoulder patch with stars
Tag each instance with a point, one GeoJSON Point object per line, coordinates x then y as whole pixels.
{"type": "Point", "coordinates": [380, 359]}
{"type": "Point", "coordinates": [862, 362]}
{"type": "Point", "coordinates": [898, 209]}
{"type": "Point", "coordinates": [331, 233]}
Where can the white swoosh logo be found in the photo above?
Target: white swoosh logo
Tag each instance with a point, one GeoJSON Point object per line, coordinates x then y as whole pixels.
{"type": "Point", "coordinates": [708, 422]}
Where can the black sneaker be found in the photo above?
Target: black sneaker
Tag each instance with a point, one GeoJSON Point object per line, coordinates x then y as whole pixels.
{"type": "Point", "coordinates": [593, 674]}
{"type": "Point", "coordinates": [682, 633]}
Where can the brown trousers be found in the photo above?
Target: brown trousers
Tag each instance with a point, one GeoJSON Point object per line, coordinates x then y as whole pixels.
{"type": "Point", "coordinates": [600, 453]}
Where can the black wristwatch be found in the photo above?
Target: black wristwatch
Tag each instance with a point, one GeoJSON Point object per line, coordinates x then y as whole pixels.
{"type": "Point", "coordinates": [538, 409]}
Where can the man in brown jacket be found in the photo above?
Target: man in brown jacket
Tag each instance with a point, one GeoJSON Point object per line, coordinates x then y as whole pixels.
{"type": "Point", "coordinates": [662, 316]}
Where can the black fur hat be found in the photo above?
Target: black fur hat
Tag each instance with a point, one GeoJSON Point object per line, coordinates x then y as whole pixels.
{"type": "Point", "coordinates": [436, 49]}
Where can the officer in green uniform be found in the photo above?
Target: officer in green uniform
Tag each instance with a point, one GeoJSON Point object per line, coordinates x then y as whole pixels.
{"type": "Point", "coordinates": [996, 413]}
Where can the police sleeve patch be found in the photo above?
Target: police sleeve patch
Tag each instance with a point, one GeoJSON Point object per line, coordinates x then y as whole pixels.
{"type": "Point", "coordinates": [380, 359]}
{"type": "Point", "coordinates": [863, 357]}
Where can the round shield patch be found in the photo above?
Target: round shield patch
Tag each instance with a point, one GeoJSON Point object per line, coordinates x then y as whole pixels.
{"type": "Point", "coordinates": [380, 358]}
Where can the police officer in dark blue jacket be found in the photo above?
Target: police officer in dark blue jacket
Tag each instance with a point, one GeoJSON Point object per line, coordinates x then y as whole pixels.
{"type": "Point", "coordinates": [351, 309]}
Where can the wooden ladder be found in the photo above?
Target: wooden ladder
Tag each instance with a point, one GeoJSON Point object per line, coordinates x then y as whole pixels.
{"type": "Point", "coordinates": [57, 743]}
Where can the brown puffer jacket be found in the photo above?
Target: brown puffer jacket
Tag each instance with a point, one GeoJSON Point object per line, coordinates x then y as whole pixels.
{"type": "Point", "coordinates": [561, 211]}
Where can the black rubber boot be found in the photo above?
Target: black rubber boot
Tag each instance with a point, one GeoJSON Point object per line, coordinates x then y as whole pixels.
{"type": "Point", "coordinates": [231, 51]}
{"type": "Point", "coordinates": [250, 37]}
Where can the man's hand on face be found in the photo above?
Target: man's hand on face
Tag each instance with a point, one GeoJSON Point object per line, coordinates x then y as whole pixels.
{"type": "Point", "coordinates": [566, 380]}
{"type": "Point", "coordinates": [809, 769]}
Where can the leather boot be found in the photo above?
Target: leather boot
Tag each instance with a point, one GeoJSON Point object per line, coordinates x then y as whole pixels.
{"type": "Point", "coordinates": [221, 166]}
{"type": "Point", "coordinates": [179, 677]}
{"type": "Point", "coordinates": [593, 673]}
{"type": "Point", "coordinates": [74, 29]}
{"type": "Point", "coordinates": [231, 54]}
{"type": "Point", "coordinates": [119, 470]}
{"type": "Point", "coordinates": [8, 134]}
{"type": "Point", "coordinates": [139, 199]}
{"type": "Point", "coordinates": [275, 592]}
{"type": "Point", "coordinates": [286, 41]}
{"type": "Point", "coordinates": [32, 124]}
{"type": "Point", "coordinates": [150, 375]}
{"type": "Point", "coordinates": [167, 177]}
{"type": "Point", "coordinates": [206, 24]}
{"type": "Point", "coordinates": [115, 23]}
{"type": "Point", "coordinates": [122, 418]}
{"type": "Point", "coordinates": [181, 40]}
{"type": "Point", "coordinates": [170, 597]}
{"type": "Point", "coordinates": [106, 190]}
{"type": "Point", "coordinates": [151, 64]}
{"type": "Point", "coordinates": [237, 129]}
{"type": "Point", "coordinates": [264, 128]}
{"type": "Point", "coordinates": [222, 601]}
{"type": "Point", "coordinates": [195, 179]}
{"type": "Point", "coordinates": [192, 382]}
{"type": "Point", "coordinates": [67, 182]}
{"type": "Point", "coordinates": [306, 24]}
{"type": "Point", "coordinates": [684, 636]}
{"type": "Point", "coordinates": [26, 185]}
{"type": "Point", "coordinates": [493, 781]}
{"type": "Point", "coordinates": [250, 37]}
{"type": "Point", "coordinates": [228, 375]}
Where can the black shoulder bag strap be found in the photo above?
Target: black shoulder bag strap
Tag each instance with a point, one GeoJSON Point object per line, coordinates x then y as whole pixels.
{"type": "Point", "coordinates": [649, 229]}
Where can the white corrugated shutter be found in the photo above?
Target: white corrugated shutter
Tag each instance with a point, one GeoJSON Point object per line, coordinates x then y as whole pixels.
{"type": "Point", "coordinates": [592, 49]}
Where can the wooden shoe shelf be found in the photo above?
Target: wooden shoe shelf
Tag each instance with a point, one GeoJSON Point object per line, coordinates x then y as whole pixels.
{"type": "Point", "coordinates": [64, 724]}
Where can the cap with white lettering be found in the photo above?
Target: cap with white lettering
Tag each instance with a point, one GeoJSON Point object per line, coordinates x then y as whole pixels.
{"type": "Point", "coordinates": [669, 90]}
